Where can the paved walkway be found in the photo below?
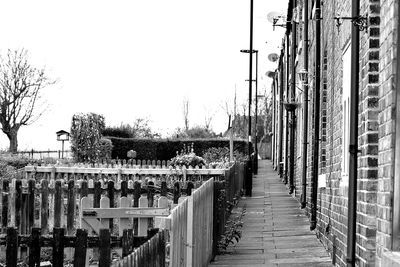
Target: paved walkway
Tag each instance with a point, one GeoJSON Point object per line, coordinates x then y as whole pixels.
{"type": "Point", "coordinates": [275, 230]}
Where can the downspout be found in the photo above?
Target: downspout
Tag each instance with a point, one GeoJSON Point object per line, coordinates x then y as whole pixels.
{"type": "Point", "coordinates": [353, 147]}
{"type": "Point", "coordinates": [396, 193]}
{"type": "Point", "coordinates": [292, 124]}
{"type": "Point", "coordinates": [280, 115]}
{"type": "Point", "coordinates": [305, 109]}
{"type": "Point", "coordinates": [313, 221]}
{"type": "Point", "coordinates": [287, 99]}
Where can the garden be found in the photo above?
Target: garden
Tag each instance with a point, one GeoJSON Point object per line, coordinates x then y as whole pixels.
{"type": "Point", "coordinates": [87, 198]}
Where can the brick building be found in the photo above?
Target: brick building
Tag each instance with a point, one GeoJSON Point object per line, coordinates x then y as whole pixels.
{"type": "Point", "coordinates": [337, 125]}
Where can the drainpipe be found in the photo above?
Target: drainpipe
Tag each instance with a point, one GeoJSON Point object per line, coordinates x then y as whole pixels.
{"type": "Point", "coordinates": [292, 124]}
{"type": "Point", "coordinates": [313, 221]}
{"type": "Point", "coordinates": [353, 147]}
{"type": "Point", "coordinates": [280, 115]}
{"type": "Point", "coordinates": [305, 109]}
{"type": "Point", "coordinates": [396, 193]}
{"type": "Point", "coordinates": [287, 100]}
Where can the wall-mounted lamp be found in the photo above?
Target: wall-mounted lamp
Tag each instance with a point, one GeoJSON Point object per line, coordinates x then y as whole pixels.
{"type": "Point", "coordinates": [303, 76]}
{"type": "Point", "coordinates": [360, 21]}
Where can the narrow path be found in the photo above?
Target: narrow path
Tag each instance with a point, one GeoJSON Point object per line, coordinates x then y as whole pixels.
{"type": "Point", "coordinates": [275, 230]}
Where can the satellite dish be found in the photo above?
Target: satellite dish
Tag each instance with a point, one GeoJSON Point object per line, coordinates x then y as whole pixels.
{"type": "Point", "coordinates": [270, 74]}
{"type": "Point", "coordinates": [273, 16]}
{"type": "Point", "coordinates": [273, 57]}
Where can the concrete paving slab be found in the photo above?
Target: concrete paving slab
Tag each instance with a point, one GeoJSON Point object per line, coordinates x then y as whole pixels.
{"type": "Point", "coordinates": [275, 231]}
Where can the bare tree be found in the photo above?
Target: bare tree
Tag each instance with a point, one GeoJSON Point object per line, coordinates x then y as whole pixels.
{"type": "Point", "coordinates": [208, 116]}
{"type": "Point", "coordinates": [20, 93]}
{"type": "Point", "coordinates": [186, 113]}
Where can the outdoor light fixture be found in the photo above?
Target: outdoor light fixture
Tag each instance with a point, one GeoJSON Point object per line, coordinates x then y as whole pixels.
{"type": "Point", "coordinates": [360, 21]}
{"type": "Point", "coordinates": [303, 76]}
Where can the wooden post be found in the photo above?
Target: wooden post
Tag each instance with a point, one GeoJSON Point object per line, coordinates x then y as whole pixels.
{"type": "Point", "coordinates": [80, 248]}
{"type": "Point", "coordinates": [57, 204]}
{"type": "Point", "coordinates": [18, 202]}
{"type": "Point", "coordinates": [177, 192]}
{"type": "Point", "coordinates": [110, 193]}
{"type": "Point", "coordinates": [12, 247]}
{"type": "Point", "coordinates": [31, 204]}
{"type": "Point", "coordinates": [136, 196]}
{"type": "Point", "coordinates": [58, 247]}
{"type": "Point", "coordinates": [4, 211]}
{"type": "Point", "coordinates": [71, 207]}
{"type": "Point", "coordinates": [105, 248]}
{"type": "Point", "coordinates": [44, 207]}
{"type": "Point", "coordinates": [34, 248]}
{"type": "Point", "coordinates": [97, 194]}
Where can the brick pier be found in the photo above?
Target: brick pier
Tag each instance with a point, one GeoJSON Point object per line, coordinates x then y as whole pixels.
{"type": "Point", "coordinates": [275, 231]}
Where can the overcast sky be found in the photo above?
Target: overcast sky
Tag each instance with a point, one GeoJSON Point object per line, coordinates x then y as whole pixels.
{"type": "Point", "coordinates": [131, 59]}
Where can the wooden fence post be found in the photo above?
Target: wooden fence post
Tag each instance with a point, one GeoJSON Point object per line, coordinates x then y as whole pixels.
{"type": "Point", "coordinates": [105, 248]}
{"type": "Point", "coordinates": [57, 204]}
{"type": "Point", "coordinates": [31, 204]}
{"type": "Point", "coordinates": [44, 207]}
{"type": "Point", "coordinates": [80, 248]}
{"type": "Point", "coordinates": [34, 248]}
{"type": "Point", "coordinates": [71, 207]}
{"type": "Point", "coordinates": [4, 203]}
{"type": "Point", "coordinates": [12, 247]}
{"type": "Point", "coordinates": [110, 193]}
{"type": "Point", "coordinates": [58, 247]}
{"type": "Point", "coordinates": [18, 202]}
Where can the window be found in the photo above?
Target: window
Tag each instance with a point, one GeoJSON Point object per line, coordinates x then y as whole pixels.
{"type": "Point", "coordinates": [346, 110]}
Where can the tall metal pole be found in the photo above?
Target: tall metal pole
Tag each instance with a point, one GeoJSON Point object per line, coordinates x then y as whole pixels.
{"type": "Point", "coordinates": [256, 131]}
{"type": "Point", "coordinates": [305, 109]}
{"type": "Point", "coordinates": [353, 146]}
{"type": "Point", "coordinates": [250, 72]}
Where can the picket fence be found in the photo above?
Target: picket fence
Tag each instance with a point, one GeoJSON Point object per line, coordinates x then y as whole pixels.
{"type": "Point", "coordinates": [122, 172]}
{"type": "Point", "coordinates": [47, 204]}
{"type": "Point", "coordinates": [58, 241]}
{"type": "Point", "coordinates": [189, 230]}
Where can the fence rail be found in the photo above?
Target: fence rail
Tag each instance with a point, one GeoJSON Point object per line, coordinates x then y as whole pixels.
{"type": "Point", "coordinates": [41, 154]}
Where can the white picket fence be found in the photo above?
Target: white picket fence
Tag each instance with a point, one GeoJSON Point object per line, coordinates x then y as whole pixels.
{"type": "Point", "coordinates": [190, 226]}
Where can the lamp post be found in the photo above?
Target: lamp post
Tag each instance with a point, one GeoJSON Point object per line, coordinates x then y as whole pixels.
{"type": "Point", "coordinates": [256, 104]}
{"type": "Point", "coordinates": [62, 136]}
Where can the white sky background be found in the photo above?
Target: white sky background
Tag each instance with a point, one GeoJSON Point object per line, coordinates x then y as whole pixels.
{"type": "Point", "coordinates": [128, 59]}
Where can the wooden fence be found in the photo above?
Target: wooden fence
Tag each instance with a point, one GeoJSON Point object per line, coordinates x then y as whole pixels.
{"type": "Point", "coordinates": [122, 170]}
{"type": "Point", "coordinates": [151, 253]}
{"type": "Point", "coordinates": [58, 241]}
{"type": "Point", "coordinates": [47, 204]}
{"type": "Point", "coordinates": [42, 154]}
{"type": "Point", "coordinates": [190, 227]}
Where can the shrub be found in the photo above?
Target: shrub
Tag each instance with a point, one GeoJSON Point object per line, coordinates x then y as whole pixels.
{"type": "Point", "coordinates": [105, 149]}
{"type": "Point", "coordinates": [187, 157]}
{"type": "Point", "coordinates": [165, 149]}
{"type": "Point", "coordinates": [85, 136]}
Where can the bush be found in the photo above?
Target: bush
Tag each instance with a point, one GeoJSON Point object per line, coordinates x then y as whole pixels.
{"type": "Point", "coordinates": [165, 149]}
{"type": "Point", "coordinates": [105, 149]}
{"type": "Point", "coordinates": [86, 132]}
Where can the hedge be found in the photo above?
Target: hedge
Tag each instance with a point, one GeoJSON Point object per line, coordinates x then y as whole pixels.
{"type": "Point", "coordinates": [165, 149]}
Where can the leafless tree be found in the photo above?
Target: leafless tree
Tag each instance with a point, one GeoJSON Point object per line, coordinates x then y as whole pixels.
{"type": "Point", "coordinates": [186, 113]}
{"type": "Point", "coordinates": [21, 85]}
{"type": "Point", "coordinates": [208, 116]}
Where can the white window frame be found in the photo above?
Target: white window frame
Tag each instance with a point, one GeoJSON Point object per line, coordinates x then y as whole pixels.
{"type": "Point", "coordinates": [346, 97]}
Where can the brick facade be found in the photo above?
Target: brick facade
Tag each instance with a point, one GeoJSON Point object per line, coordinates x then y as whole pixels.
{"type": "Point", "coordinates": [376, 129]}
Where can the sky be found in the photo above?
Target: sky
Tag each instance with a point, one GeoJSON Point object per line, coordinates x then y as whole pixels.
{"type": "Point", "coordinates": [130, 59]}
